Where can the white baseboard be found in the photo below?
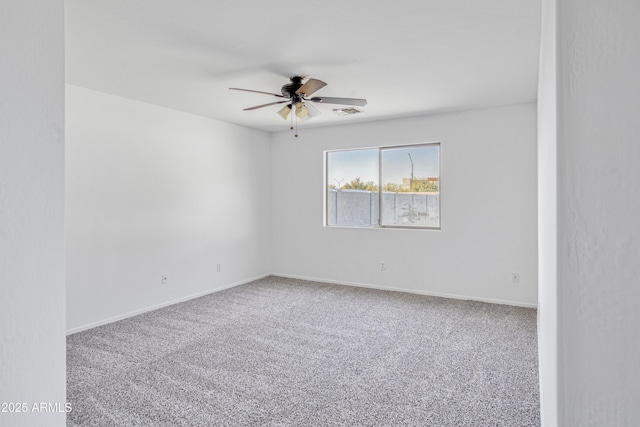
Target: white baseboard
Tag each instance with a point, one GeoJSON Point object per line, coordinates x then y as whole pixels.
{"type": "Point", "coordinates": [410, 291]}
{"type": "Point", "coordinates": [293, 276]}
{"type": "Point", "coordinates": [164, 304]}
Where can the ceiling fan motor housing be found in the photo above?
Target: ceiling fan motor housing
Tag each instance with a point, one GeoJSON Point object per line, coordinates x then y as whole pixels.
{"type": "Point", "coordinates": [289, 90]}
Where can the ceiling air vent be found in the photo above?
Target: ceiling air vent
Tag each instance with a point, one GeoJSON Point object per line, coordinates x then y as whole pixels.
{"type": "Point", "coordinates": [346, 111]}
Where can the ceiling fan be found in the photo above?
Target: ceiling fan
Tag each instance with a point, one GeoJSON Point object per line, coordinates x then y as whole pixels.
{"type": "Point", "coordinates": [295, 95]}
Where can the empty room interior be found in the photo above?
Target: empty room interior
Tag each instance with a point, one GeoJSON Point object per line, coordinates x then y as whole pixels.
{"type": "Point", "coordinates": [325, 213]}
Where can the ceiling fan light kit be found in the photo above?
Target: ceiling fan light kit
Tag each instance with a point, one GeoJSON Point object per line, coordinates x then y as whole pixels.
{"type": "Point", "coordinates": [295, 95]}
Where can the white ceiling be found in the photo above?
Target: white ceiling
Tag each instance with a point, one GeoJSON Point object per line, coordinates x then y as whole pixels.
{"type": "Point", "coordinates": [407, 58]}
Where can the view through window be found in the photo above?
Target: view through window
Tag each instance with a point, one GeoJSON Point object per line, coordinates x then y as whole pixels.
{"type": "Point", "coordinates": [384, 187]}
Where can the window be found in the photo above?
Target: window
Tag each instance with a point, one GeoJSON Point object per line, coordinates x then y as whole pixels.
{"type": "Point", "coordinates": [384, 187]}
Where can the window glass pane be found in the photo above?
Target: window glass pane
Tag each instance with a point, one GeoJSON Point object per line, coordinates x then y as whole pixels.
{"type": "Point", "coordinates": [352, 187]}
{"type": "Point", "coordinates": [411, 186]}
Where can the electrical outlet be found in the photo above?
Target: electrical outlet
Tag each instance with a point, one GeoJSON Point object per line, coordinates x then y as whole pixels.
{"type": "Point", "coordinates": [515, 277]}
{"type": "Point", "coordinates": [165, 279]}
{"type": "Point", "coordinates": [218, 268]}
{"type": "Point", "coordinates": [383, 265]}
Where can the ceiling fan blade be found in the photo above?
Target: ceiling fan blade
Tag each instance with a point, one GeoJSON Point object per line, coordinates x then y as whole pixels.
{"type": "Point", "coordinates": [265, 105]}
{"type": "Point", "coordinates": [333, 100]}
{"type": "Point", "coordinates": [257, 91]}
{"type": "Point", "coordinates": [310, 87]}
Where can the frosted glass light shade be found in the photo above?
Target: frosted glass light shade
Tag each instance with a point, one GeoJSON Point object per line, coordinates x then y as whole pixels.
{"type": "Point", "coordinates": [301, 110]}
{"type": "Point", "coordinates": [284, 111]}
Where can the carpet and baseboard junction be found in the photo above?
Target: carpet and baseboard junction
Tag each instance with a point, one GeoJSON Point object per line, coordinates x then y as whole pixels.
{"type": "Point", "coordinates": [281, 351]}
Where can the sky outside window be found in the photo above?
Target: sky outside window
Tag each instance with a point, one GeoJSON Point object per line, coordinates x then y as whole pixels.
{"type": "Point", "coordinates": [345, 166]}
{"type": "Point", "coordinates": [396, 163]}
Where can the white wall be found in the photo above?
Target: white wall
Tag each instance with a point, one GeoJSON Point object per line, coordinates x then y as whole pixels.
{"type": "Point", "coordinates": [547, 220]}
{"type": "Point", "coordinates": [598, 210]}
{"type": "Point", "coordinates": [32, 343]}
{"type": "Point", "coordinates": [152, 191]}
{"type": "Point", "coordinates": [489, 213]}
